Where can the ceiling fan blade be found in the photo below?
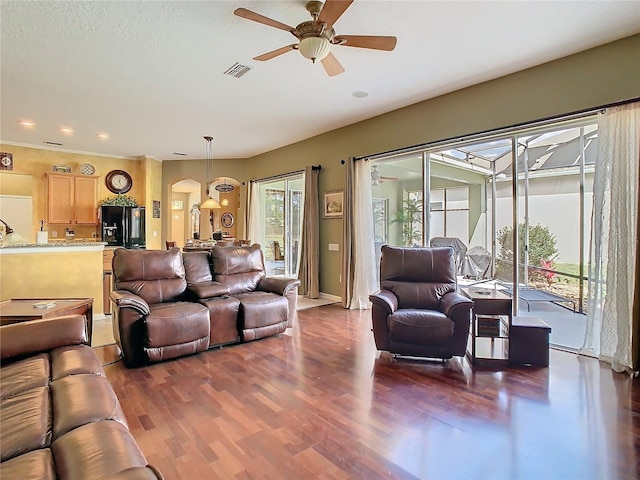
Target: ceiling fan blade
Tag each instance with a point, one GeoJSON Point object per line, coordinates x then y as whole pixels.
{"type": "Point", "coordinates": [275, 53]}
{"type": "Point", "coordinates": [256, 17]}
{"type": "Point", "coordinates": [367, 41]}
{"type": "Point", "coordinates": [332, 10]}
{"type": "Point", "coordinates": [332, 65]}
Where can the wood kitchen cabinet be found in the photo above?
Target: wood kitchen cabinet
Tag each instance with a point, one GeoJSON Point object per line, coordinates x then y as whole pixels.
{"type": "Point", "coordinates": [72, 199]}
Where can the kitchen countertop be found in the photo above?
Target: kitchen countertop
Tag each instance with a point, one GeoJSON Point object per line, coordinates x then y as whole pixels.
{"type": "Point", "coordinates": [65, 246]}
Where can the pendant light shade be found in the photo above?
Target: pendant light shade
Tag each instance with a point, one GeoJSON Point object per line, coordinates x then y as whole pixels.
{"type": "Point", "coordinates": [210, 203]}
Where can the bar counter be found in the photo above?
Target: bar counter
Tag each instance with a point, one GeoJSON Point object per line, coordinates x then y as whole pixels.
{"type": "Point", "coordinates": [63, 269]}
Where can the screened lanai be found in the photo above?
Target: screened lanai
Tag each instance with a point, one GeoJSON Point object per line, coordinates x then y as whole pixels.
{"type": "Point", "coordinates": [474, 204]}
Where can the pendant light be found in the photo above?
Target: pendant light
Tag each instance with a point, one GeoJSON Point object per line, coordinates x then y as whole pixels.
{"type": "Point", "coordinates": [209, 203]}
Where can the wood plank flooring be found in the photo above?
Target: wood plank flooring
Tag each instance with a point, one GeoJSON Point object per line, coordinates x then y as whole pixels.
{"type": "Point", "coordinates": [319, 402]}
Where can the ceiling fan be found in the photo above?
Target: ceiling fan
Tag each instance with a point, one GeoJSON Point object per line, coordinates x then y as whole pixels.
{"type": "Point", "coordinates": [376, 178]}
{"type": "Point", "coordinates": [315, 37]}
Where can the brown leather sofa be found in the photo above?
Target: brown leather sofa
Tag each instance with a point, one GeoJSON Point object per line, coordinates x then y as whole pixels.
{"type": "Point", "coordinates": [418, 311]}
{"type": "Point", "coordinates": [60, 416]}
{"type": "Point", "coordinates": [168, 303]}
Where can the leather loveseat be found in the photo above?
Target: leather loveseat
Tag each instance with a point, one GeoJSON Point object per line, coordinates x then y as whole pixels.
{"type": "Point", "coordinates": [168, 303]}
{"type": "Point", "coordinates": [60, 416]}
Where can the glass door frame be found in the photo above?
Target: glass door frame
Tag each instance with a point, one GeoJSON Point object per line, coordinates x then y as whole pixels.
{"type": "Point", "coordinates": [282, 183]}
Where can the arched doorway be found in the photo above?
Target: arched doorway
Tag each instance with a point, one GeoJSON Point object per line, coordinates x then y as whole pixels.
{"type": "Point", "coordinates": [182, 223]}
{"type": "Point", "coordinates": [225, 191]}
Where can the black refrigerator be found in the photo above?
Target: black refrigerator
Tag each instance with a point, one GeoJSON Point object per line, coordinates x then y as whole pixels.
{"type": "Point", "coordinates": [123, 226]}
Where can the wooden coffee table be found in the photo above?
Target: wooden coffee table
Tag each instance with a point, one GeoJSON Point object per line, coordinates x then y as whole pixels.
{"type": "Point", "coordinates": [22, 310]}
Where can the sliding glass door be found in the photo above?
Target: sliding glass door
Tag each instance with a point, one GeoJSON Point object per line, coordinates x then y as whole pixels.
{"type": "Point", "coordinates": [516, 208]}
{"type": "Point", "coordinates": [281, 203]}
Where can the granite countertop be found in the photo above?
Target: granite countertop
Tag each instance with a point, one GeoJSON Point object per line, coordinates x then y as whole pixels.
{"type": "Point", "coordinates": [54, 244]}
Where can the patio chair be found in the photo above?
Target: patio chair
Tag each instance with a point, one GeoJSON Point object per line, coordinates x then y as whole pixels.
{"type": "Point", "coordinates": [477, 263]}
{"type": "Point", "coordinates": [459, 248]}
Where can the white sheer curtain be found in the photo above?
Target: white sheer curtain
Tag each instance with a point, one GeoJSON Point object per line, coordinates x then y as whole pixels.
{"type": "Point", "coordinates": [364, 274]}
{"type": "Point", "coordinates": [253, 228]}
{"type": "Point", "coordinates": [613, 238]}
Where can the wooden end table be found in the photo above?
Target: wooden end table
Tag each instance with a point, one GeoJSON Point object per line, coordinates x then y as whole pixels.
{"type": "Point", "coordinates": [22, 310]}
{"type": "Point", "coordinates": [490, 326]}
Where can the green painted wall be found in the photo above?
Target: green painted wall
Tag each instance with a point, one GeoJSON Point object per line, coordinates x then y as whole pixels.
{"type": "Point", "coordinates": [599, 76]}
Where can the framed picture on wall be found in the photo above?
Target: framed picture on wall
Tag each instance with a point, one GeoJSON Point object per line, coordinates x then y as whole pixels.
{"type": "Point", "coordinates": [333, 204]}
{"type": "Point", "coordinates": [156, 209]}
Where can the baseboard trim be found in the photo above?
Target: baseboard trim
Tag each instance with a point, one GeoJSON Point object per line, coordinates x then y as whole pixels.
{"type": "Point", "coordinates": [328, 296]}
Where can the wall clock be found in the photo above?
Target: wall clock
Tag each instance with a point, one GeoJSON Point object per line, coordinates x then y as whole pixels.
{"type": "Point", "coordinates": [6, 161]}
{"type": "Point", "coordinates": [118, 181]}
{"type": "Point", "coordinates": [227, 220]}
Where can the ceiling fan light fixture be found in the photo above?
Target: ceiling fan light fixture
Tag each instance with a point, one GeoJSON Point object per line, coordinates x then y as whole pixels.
{"type": "Point", "coordinates": [314, 48]}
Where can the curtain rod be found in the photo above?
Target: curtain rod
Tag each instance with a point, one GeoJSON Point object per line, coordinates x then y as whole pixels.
{"type": "Point", "coordinates": [499, 131]}
{"type": "Point", "coordinates": [283, 175]}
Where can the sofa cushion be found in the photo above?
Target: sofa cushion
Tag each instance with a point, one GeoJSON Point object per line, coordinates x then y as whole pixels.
{"type": "Point", "coordinates": [259, 309]}
{"type": "Point", "coordinates": [420, 327]}
{"type": "Point", "coordinates": [176, 323]}
{"type": "Point", "coordinates": [73, 360]}
{"type": "Point", "coordinates": [99, 402]}
{"type": "Point", "coordinates": [197, 268]}
{"type": "Point", "coordinates": [26, 422]}
{"type": "Point", "coordinates": [239, 268]}
{"type": "Point", "coordinates": [36, 465]}
{"type": "Point", "coordinates": [23, 375]}
{"type": "Point", "coordinates": [96, 450]}
{"type": "Point", "coordinates": [155, 275]}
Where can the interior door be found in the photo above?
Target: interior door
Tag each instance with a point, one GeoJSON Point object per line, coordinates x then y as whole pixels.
{"type": "Point", "coordinates": [177, 227]}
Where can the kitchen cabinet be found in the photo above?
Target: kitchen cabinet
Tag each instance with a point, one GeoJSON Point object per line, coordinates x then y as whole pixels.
{"type": "Point", "coordinates": [72, 199]}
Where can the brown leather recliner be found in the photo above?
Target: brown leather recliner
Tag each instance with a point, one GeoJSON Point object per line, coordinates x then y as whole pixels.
{"type": "Point", "coordinates": [151, 322]}
{"type": "Point", "coordinates": [418, 311]}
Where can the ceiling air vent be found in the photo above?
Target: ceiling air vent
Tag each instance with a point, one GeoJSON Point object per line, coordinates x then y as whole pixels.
{"type": "Point", "coordinates": [56, 144]}
{"type": "Point", "coordinates": [236, 70]}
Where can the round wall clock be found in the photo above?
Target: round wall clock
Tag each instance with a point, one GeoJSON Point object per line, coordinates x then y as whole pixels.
{"type": "Point", "coordinates": [227, 220]}
{"type": "Point", "coordinates": [118, 181]}
{"type": "Point", "coordinates": [6, 161]}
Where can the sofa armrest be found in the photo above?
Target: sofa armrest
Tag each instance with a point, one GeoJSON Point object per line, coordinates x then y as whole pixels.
{"type": "Point", "coordinates": [281, 286]}
{"type": "Point", "coordinates": [37, 336]}
{"type": "Point", "coordinates": [208, 290]}
{"type": "Point", "coordinates": [385, 299]}
{"type": "Point", "coordinates": [123, 299]}
{"type": "Point", "coordinates": [453, 302]}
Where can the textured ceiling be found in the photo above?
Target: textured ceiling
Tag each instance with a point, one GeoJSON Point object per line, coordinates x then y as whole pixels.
{"type": "Point", "coordinates": [151, 73]}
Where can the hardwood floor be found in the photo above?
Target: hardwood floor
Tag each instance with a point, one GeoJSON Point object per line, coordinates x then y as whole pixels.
{"type": "Point", "coordinates": [320, 402]}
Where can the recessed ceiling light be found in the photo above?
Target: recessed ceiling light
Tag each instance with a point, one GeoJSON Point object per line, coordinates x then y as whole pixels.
{"type": "Point", "coordinates": [360, 94]}
{"type": "Point", "coordinates": [66, 130]}
{"type": "Point", "coordinates": [27, 123]}
{"type": "Point", "coordinates": [103, 136]}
